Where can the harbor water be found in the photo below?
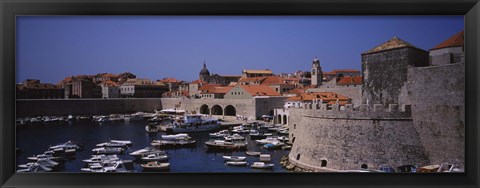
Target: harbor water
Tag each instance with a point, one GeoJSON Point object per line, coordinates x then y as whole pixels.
{"type": "Point", "coordinates": [35, 139]}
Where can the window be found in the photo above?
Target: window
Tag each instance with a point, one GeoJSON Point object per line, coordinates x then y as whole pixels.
{"type": "Point", "coordinates": [298, 156]}
{"type": "Point", "coordinates": [324, 163]}
{"type": "Point", "coordinates": [364, 166]}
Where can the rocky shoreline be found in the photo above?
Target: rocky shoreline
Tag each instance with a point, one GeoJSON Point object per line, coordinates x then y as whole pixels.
{"type": "Point", "coordinates": [285, 162]}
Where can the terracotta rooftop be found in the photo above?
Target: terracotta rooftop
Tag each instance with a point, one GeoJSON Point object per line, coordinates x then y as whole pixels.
{"type": "Point", "coordinates": [454, 41]}
{"type": "Point", "coordinates": [110, 83]}
{"type": "Point", "coordinates": [208, 87]}
{"type": "Point", "coordinates": [169, 80]}
{"type": "Point", "coordinates": [269, 80]}
{"type": "Point", "coordinates": [346, 70]}
{"type": "Point", "coordinates": [198, 82]}
{"type": "Point", "coordinates": [252, 79]}
{"type": "Point", "coordinates": [259, 90]}
{"type": "Point", "coordinates": [394, 43]}
{"type": "Point", "coordinates": [350, 80]}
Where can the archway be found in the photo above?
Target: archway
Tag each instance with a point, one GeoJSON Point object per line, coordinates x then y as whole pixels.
{"type": "Point", "coordinates": [204, 109]}
{"type": "Point", "coordinates": [284, 119]}
{"type": "Point", "coordinates": [217, 110]}
{"type": "Point", "coordinates": [279, 119]}
{"type": "Point", "coordinates": [230, 111]}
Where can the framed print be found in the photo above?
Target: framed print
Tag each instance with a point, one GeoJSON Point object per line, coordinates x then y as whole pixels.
{"type": "Point", "coordinates": [188, 94]}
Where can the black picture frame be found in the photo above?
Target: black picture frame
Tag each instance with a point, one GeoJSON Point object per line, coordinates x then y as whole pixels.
{"type": "Point", "coordinates": [12, 8]}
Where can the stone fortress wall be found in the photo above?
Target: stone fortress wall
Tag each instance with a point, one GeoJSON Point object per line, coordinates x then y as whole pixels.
{"type": "Point", "coordinates": [347, 138]}
{"type": "Point", "coordinates": [427, 129]}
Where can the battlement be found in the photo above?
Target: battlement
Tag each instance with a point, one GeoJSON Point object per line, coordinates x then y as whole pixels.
{"type": "Point", "coordinates": [350, 111]}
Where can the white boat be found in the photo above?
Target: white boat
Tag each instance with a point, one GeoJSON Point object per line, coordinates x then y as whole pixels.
{"type": "Point", "coordinates": [146, 151]}
{"type": "Point", "coordinates": [267, 140]}
{"type": "Point", "coordinates": [126, 142]}
{"type": "Point", "coordinates": [107, 150]}
{"type": "Point", "coordinates": [154, 157]}
{"type": "Point", "coordinates": [265, 158]}
{"type": "Point", "coordinates": [236, 163]}
{"type": "Point", "coordinates": [116, 166]}
{"type": "Point", "coordinates": [283, 138]}
{"type": "Point", "coordinates": [225, 145]}
{"type": "Point", "coordinates": [155, 165]}
{"type": "Point", "coordinates": [101, 158]}
{"type": "Point", "coordinates": [182, 136]}
{"type": "Point", "coordinates": [111, 144]}
{"type": "Point", "coordinates": [234, 137]}
{"type": "Point", "coordinates": [253, 153]}
{"type": "Point", "coordinates": [234, 158]}
{"type": "Point", "coordinates": [262, 165]}
{"type": "Point", "coordinates": [61, 148]}
{"type": "Point", "coordinates": [42, 162]}
{"type": "Point", "coordinates": [48, 156]}
{"type": "Point", "coordinates": [35, 168]}
{"type": "Point", "coordinates": [220, 134]}
{"type": "Point", "coordinates": [194, 123]}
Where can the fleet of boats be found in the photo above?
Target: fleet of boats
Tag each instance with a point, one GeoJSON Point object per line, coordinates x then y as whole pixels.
{"type": "Point", "coordinates": [105, 157]}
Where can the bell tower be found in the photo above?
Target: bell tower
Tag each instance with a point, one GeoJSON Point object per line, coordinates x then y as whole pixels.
{"type": "Point", "coordinates": [317, 75]}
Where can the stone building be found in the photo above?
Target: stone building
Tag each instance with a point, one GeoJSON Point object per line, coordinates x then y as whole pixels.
{"type": "Point", "coordinates": [110, 89]}
{"type": "Point", "coordinates": [142, 88]}
{"type": "Point", "coordinates": [256, 73]}
{"type": "Point", "coordinates": [384, 71]}
{"type": "Point", "coordinates": [449, 51]}
{"type": "Point", "coordinates": [82, 86]}
{"type": "Point", "coordinates": [33, 89]}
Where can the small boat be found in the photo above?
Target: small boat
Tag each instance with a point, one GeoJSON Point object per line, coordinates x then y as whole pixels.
{"type": "Point", "coordinates": [225, 145]}
{"type": "Point", "coordinates": [265, 157]}
{"type": "Point", "coordinates": [234, 158]}
{"type": "Point", "coordinates": [220, 134]}
{"type": "Point", "coordinates": [273, 145]}
{"type": "Point", "coordinates": [286, 147]}
{"type": "Point", "coordinates": [155, 165]}
{"type": "Point", "coordinates": [48, 156]}
{"type": "Point", "coordinates": [146, 151]}
{"type": "Point", "coordinates": [283, 138]}
{"type": "Point", "coordinates": [35, 168]}
{"type": "Point", "coordinates": [234, 137]}
{"type": "Point", "coordinates": [174, 143]}
{"type": "Point", "coordinates": [154, 157]}
{"type": "Point", "coordinates": [107, 150]}
{"type": "Point", "coordinates": [116, 166]}
{"type": "Point", "coordinates": [126, 142]}
{"type": "Point", "coordinates": [182, 136]}
{"type": "Point", "coordinates": [267, 140]}
{"type": "Point", "coordinates": [253, 153]}
{"type": "Point", "coordinates": [262, 165]}
{"type": "Point", "coordinates": [101, 158]}
{"type": "Point", "coordinates": [236, 163]}
{"type": "Point", "coordinates": [111, 144]}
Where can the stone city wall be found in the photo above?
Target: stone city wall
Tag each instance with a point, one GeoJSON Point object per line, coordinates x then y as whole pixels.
{"type": "Point", "coordinates": [347, 139]}
{"type": "Point", "coordinates": [438, 111]}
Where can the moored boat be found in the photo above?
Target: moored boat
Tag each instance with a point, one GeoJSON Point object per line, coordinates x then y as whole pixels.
{"type": "Point", "coordinates": [234, 158]}
{"type": "Point", "coordinates": [155, 165]}
{"type": "Point", "coordinates": [154, 157]}
{"type": "Point", "coordinates": [236, 163]}
{"type": "Point", "coordinates": [194, 123]}
{"type": "Point", "coordinates": [225, 145]}
{"type": "Point", "coordinates": [262, 165]}
{"type": "Point", "coordinates": [253, 153]}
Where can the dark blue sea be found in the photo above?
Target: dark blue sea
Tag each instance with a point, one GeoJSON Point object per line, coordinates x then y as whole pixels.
{"type": "Point", "coordinates": [35, 139]}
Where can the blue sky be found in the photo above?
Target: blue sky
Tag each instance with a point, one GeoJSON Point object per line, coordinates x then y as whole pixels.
{"type": "Point", "coordinates": [51, 48]}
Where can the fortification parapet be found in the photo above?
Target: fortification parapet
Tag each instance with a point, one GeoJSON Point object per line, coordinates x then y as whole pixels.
{"type": "Point", "coordinates": [377, 111]}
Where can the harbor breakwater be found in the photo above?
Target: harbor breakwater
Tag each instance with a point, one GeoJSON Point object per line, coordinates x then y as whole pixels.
{"type": "Point", "coordinates": [63, 107]}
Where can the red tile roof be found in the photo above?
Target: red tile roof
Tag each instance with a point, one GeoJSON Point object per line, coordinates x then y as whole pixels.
{"type": "Point", "coordinates": [169, 80]}
{"type": "Point", "coordinates": [394, 43]}
{"type": "Point", "coordinates": [350, 80]}
{"type": "Point", "coordinates": [269, 80]}
{"type": "Point", "coordinates": [252, 79]}
{"type": "Point", "coordinates": [259, 90]}
{"type": "Point", "coordinates": [454, 41]}
{"type": "Point", "coordinates": [208, 87]}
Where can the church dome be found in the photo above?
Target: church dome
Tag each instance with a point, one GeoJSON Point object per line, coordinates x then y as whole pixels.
{"type": "Point", "coordinates": [204, 70]}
